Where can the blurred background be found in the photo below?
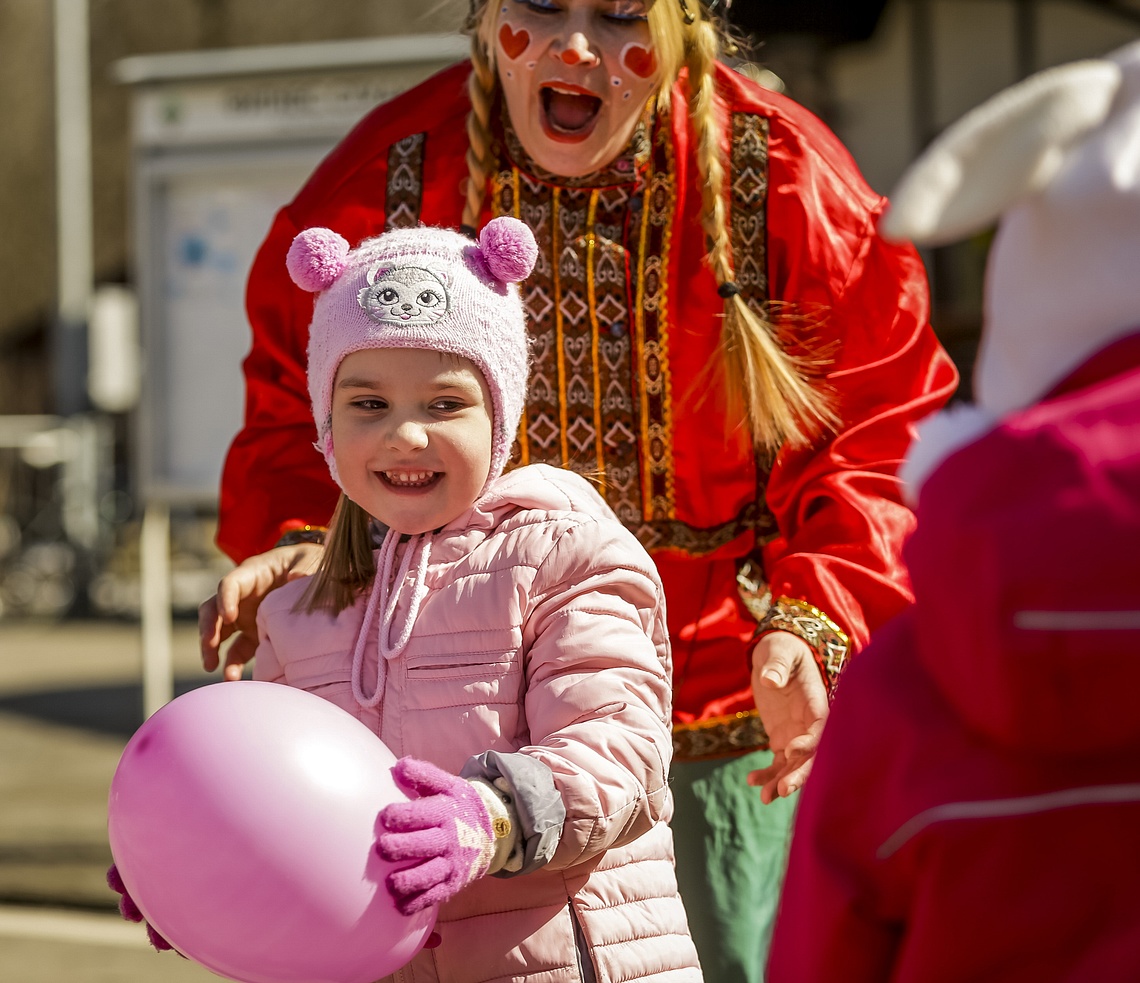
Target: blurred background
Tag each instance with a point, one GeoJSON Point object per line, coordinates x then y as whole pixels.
{"type": "Point", "coordinates": [144, 153]}
{"type": "Point", "coordinates": [144, 149]}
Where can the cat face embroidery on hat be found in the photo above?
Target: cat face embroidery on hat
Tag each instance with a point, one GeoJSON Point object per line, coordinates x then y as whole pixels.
{"type": "Point", "coordinates": [404, 295]}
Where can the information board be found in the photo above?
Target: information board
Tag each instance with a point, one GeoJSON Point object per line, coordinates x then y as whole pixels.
{"type": "Point", "coordinates": [215, 157]}
{"type": "Point", "coordinates": [207, 219]}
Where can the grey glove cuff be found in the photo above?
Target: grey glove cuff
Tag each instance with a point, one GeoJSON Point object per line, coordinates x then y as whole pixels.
{"type": "Point", "coordinates": [534, 799]}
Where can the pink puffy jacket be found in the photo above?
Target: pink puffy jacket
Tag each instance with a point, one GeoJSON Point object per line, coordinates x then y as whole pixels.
{"type": "Point", "coordinates": [542, 632]}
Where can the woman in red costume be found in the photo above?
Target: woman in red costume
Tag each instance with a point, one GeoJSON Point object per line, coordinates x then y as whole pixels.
{"type": "Point", "coordinates": [718, 331]}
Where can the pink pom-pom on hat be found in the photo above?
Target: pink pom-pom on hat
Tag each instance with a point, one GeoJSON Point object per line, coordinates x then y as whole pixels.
{"type": "Point", "coordinates": [508, 249]}
{"type": "Point", "coordinates": [316, 258]}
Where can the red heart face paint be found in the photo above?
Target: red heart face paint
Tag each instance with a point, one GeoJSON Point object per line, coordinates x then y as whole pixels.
{"type": "Point", "coordinates": [513, 43]}
{"type": "Point", "coordinates": [576, 76]}
{"type": "Point", "coordinates": [641, 61]}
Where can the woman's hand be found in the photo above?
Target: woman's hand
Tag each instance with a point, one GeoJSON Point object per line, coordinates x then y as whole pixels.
{"type": "Point", "coordinates": [792, 700]}
{"type": "Point", "coordinates": [233, 609]}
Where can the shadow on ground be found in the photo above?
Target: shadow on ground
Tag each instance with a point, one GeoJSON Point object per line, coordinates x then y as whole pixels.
{"type": "Point", "coordinates": [116, 711]}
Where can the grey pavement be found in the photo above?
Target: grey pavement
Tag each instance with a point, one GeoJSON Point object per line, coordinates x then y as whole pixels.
{"type": "Point", "coordinates": [70, 697]}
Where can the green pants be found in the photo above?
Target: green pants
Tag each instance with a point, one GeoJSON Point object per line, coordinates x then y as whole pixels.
{"type": "Point", "coordinates": [731, 856]}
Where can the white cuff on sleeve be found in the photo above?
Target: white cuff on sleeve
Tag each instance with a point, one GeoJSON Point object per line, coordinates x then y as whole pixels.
{"type": "Point", "coordinates": [508, 846]}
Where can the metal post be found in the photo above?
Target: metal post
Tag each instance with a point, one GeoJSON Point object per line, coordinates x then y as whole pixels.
{"type": "Point", "coordinates": [74, 223]}
{"type": "Point", "coordinates": [84, 481]}
{"type": "Point", "coordinates": [157, 619]}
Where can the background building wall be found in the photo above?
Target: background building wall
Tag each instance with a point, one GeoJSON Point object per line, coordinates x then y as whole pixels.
{"type": "Point", "coordinates": [27, 211]}
{"type": "Point", "coordinates": [120, 28]}
{"type": "Point", "coordinates": [976, 52]}
{"type": "Point", "coordinates": [928, 63]}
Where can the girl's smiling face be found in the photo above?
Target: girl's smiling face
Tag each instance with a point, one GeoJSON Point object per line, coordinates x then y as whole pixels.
{"type": "Point", "coordinates": [412, 435]}
{"type": "Point", "coordinates": [576, 75]}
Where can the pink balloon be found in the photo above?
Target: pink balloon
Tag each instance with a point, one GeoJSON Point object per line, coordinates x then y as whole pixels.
{"type": "Point", "coordinates": [242, 818]}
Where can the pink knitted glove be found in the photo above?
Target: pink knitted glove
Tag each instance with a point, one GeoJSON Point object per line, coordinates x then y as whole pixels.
{"type": "Point", "coordinates": [130, 911]}
{"type": "Point", "coordinates": [447, 829]}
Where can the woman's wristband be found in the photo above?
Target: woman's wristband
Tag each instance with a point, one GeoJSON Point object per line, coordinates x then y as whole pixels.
{"type": "Point", "coordinates": [302, 534]}
{"type": "Point", "coordinates": [828, 642]}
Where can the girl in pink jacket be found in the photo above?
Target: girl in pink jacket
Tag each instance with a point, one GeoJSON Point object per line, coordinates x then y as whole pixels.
{"type": "Point", "coordinates": [504, 635]}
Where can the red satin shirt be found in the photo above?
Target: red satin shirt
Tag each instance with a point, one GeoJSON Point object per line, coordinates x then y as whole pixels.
{"type": "Point", "coordinates": [827, 523]}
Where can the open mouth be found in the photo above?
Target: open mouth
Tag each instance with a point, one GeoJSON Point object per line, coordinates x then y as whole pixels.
{"type": "Point", "coordinates": [569, 112]}
{"type": "Point", "coordinates": [411, 480]}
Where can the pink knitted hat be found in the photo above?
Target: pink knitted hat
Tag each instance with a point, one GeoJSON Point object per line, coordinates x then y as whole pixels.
{"type": "Point", "coordinates": [420, 288]}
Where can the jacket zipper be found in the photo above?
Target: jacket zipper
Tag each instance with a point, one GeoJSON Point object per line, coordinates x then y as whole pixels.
{"type": "Point", "coordinates": [586, 972]}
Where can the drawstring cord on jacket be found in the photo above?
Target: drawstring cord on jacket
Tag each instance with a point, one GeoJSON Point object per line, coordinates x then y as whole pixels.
{"type": "Point", "coordinates": [382, 595]}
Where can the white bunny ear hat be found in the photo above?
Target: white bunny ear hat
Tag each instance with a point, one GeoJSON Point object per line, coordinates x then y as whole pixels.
{"type": "Point", "coordinates": [1057, 159]}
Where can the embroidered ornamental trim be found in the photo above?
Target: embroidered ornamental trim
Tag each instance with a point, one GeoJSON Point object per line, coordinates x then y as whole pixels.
{"type": "Point", "coordinates": [658, 502]}
{"type": "Point", "coordinates": [749, 214]}
{"type": "Point", "coordinates": [674, 535]}
{"type": "Point", "coordinates": [405, 189]}
{"type": "Point", "coordinates": [600, 398]}
{"type": "Point", "coordinates": [748, 222]}
{"type": "Point", "coordinates": [734, 733]}
{"type": "Point", "coordinates": [828, 641]}
{"type": "Point", "coordinates": [581, 409]}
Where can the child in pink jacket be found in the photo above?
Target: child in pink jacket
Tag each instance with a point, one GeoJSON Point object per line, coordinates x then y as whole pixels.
{"type": "Point", "coordinates": [504, 635]}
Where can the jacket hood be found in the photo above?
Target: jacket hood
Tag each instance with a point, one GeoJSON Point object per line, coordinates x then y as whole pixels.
{"type": "Point", "coordinates": [1025, 568]}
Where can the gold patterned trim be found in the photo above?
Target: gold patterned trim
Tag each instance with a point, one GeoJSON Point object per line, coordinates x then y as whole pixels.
{"type": "Point", "coordinates": [828, 641]}
{"type": "Point", "coordinates": [717, 737]}
{"type": "Point", "coordinates": [652, 316]}
{"type": "Point", "coordinates": [751, 585]}
{"type": "Point", "coordinates": [679, 536]}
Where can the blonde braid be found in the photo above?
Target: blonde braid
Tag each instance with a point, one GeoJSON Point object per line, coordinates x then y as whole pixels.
{"type": "Point", "coordinates": [780, 403]}
{"type": "Point", "coordinates": [481, 84]}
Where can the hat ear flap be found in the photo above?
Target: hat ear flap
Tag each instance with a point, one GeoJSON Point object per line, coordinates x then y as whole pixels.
{"type": "Point", "coordinates": [1007, 148]}
{"type": "Point", "coordinates": [316, 258]}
